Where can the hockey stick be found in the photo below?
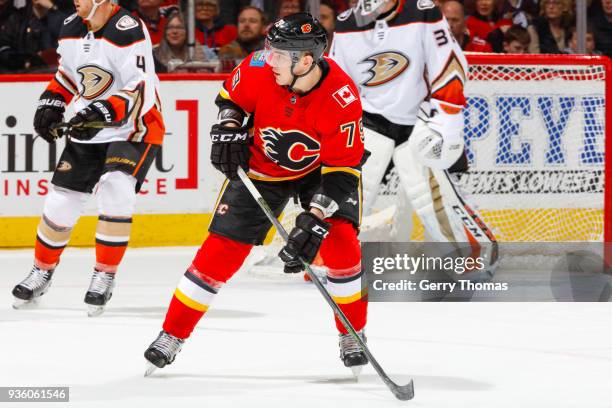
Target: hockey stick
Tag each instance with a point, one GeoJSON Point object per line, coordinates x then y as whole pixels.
{"type": "Point", "coordinates": [92, 125]}
{"type": "Point", "coordinates": [401, 392]}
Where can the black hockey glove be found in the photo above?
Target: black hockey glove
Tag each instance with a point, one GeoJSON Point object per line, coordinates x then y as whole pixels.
{"type": "Point", "coordinates": [50, 111]}
{"type": "Point", "coordinates": [230, 149]}
{"type": "Point", "coordinates": [304, 241]}
{"type": "Point", "coordinates": [98, 111]}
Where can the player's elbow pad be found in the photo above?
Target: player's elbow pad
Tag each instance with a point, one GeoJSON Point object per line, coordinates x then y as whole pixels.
{"type": "Point", "coordinates": [229, 112]}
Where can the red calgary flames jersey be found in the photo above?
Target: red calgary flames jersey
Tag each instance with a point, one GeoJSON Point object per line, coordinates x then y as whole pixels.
{"type": "Point", "coordinates": [296, 134]}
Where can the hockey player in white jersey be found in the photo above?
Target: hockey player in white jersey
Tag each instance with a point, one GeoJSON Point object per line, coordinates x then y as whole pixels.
{"type": "Point", "coordinates": [410, 73]}
{"type": "Point", "coordinates": [106, 70]}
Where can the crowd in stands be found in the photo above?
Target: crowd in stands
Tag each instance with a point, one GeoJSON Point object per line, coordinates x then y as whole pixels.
{"type": "Point", "coordinates": [228, 30]}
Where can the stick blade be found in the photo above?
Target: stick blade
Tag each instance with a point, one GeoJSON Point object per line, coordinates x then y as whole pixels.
{"type": "Point", "coordinates": [402, 392]}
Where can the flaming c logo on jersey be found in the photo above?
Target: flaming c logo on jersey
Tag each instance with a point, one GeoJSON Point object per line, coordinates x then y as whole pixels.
{"type": "Point", "coordinates": [95, 80]}
{"type": "Point", "coordinates": [292, 150]}
{"type": "Point", "coordinates": [306, 28]}
{"type": "Point", "coordinates": [385, 67]}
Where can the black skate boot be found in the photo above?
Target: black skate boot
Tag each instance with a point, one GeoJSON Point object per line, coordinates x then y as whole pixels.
{"type": "Point", "coordinates": [162, 351]}
{"type": "Point", "coordinates": [35, 285]}
{"type": "Point", "coordinates": [99, 293]}
{"type": "Point", "coordinates": [351, 353]}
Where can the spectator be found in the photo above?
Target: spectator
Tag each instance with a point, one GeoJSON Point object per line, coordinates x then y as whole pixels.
{"type": "Point", "coordinates": [6, 9]}
{"type": "Point", "coordinates": [553, 25]}
{"type": "Point", "coordinates": [210, 30]}
{"type": "Point", "coordinates": [229, 9]}
{"type": "Point", "coordinates": [453, 11]}
{"type": "Point", "coordinates": [521, 12]}
{"type": "Point", "coordinates": [327, 18]}
{"type": "Point", "coordinates": [602, 28]}
{"type": "Point", "coordinates": [573, 42]}
{"type": "Point", "coordinates": [28, 38]}
{"type": "Point", "coordinates": [172, 50]}
{"type": "Point", "coordinates": [287, 7]}
{"type": "Point", "coordinates": [251, 28]}
{"type": "Point", "coordinates": [516, 40]}
{"type": "Point", "coordinates": [483, 21]}
{"type": "Point", "coordinates": [148, 11]}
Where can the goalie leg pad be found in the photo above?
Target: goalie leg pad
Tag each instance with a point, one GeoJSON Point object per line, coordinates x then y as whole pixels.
{"type": "Point", "coordinates": [423, 193]}
{"type": "Point", "coordinates": [341, 253]}
{"type": "Point", "coordinates": [381, 149]}
{"type": "Point", "coordinates": [215, 263]}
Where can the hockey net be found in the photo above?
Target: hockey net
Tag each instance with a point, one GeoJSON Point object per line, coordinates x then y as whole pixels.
{"type": "Point", "coordinates": [535, 129]}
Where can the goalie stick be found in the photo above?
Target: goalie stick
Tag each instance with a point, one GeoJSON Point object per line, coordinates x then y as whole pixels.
{"type": "Point", "coordinates": [401, 392]}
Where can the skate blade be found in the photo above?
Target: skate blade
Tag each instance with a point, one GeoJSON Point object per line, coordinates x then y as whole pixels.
{"type": "Point", "coordinates": [20, 304]}
{"type": "Point", "coordinates": [150, 368]}
{"type": "Point", "coordinates": [356, 371]}
{"type": "Point", "coordinates": [94, 311]}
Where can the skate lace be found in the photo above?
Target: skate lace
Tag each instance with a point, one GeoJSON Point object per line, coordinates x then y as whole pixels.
{"type": "Point", "coordinates": [349, 345]}
{"type": "Point", "coordinates": [36, 279]}
{"type": "Point", "coordinates": [100, 282]}
{"type": "Point", "coordinates": [168, 344]}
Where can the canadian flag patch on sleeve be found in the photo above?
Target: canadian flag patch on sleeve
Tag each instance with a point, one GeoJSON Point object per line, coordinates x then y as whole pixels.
{"type": "Point", "coordinates": [344, 96]}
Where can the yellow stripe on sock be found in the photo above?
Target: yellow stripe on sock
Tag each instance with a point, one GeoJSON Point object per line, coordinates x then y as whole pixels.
{"type": "Point", "coordinates": [343, 300]}
{"type": "Point", "coordinates": [190, 302]}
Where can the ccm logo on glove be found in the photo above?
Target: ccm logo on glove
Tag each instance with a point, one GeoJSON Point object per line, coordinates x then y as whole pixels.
{"type": "Point", "coordinates": [229, 137]}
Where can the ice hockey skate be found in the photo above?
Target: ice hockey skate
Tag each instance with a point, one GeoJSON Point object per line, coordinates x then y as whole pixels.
{"type": "Point", "coordinates": [162, 352]}
{"type": "Point", "coordinates": [99, 293]}
{"type": "Point", "coordinates": [351, 353]}
{"type": "Point", "coordinates": [28, 291]}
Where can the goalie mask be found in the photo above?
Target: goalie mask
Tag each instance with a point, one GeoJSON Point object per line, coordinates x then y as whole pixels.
{"type": "Point", "coordinates": [367, 11]}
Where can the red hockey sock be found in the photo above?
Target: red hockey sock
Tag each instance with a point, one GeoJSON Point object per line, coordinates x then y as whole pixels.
{"type": "Point", "coordinates": [341, 253]}
{"type": "Point", "coordinates": [51, 239]}
{"type": "Point", "coordinates": [112, 236]}
{"type": "Point", "coordinates": [216, 261]}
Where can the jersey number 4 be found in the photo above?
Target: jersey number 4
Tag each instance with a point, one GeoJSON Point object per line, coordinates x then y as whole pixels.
{"type": "Point", "coordinates": [140, 62]}
{"type": "Point", "coordinates": [349, 129]}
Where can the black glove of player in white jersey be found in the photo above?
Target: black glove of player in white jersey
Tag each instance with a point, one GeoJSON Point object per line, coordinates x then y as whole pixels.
{"type": "Point", "coordinates": [230, 149]}
{"type": "Point", "coordinates": [98, 111]}
{"type": "Point", "coordinates": [49, 112]}
{"type": "Point", "coordinates": [304, 241]}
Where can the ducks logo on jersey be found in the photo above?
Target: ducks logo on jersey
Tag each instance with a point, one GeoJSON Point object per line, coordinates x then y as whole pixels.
{"type": "Point", "coordinates": [95, 80]}
{"type": "Point", "coordinates": [385, 67]}
{"type": "Point", "coordinates": [292, 150]}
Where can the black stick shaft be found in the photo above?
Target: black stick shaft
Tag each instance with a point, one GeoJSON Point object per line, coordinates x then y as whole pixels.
{"type": "Point", "coordinates": [405, 392]}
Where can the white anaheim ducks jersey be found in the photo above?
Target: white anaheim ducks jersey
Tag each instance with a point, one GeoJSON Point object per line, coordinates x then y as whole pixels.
{"type": "Point", "coordinates": [396, 64]}
{"type": "Point", "coordinates": [114, 63]}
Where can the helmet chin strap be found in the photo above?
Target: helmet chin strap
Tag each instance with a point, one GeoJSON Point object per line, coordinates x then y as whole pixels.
{"type": "Point", "coordinates": [296, 76]}
{"type": "Point", "coordinates": [94, 8]}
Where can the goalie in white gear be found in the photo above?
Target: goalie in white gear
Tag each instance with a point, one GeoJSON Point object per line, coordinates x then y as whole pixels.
{"type": "Point", "coordinates": [410, 72]}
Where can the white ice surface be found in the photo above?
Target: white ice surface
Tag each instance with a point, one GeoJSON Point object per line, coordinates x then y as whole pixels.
{"type": "Point", "coordinates": [272, 344]}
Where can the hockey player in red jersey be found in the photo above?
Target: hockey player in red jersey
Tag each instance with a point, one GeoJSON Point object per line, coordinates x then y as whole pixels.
{"type": "Point", "coordinates": [302, 139]}
{"type": "Point", "coordinates": [411, 72]}
{"type": "Point", "coordinates": [106, 70]}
